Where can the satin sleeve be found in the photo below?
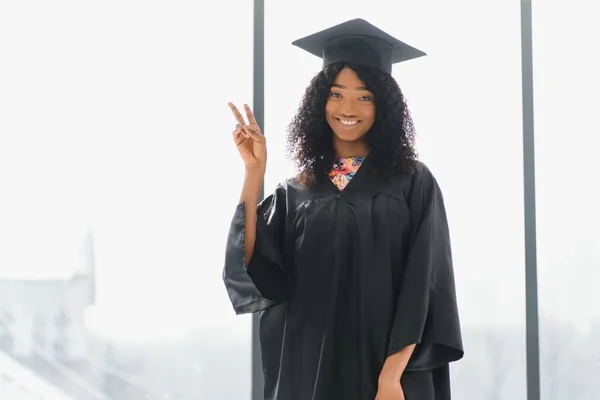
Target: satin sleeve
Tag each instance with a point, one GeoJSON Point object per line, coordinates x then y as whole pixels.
{"type": "Point", "coordinates": [265, 282]}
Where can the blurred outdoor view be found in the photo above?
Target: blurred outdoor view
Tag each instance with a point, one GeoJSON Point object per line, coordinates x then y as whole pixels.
{"type": "Point", "coordinates": [118, 179]}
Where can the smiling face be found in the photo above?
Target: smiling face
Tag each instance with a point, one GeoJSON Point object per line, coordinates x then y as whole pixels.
{"type": "Point", "coordinates": [350, 112]}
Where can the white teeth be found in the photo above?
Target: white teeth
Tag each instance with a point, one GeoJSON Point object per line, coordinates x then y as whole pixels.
{"type": "Point", "coordinates": [348, 122]}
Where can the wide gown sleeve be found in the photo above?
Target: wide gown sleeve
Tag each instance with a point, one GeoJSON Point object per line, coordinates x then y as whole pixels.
{"type": "Point", "coordinates": [265, 282]}
{"type": "Point", "coordinates": [426, 310]}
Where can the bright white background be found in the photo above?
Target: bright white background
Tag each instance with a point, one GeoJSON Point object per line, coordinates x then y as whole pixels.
{"type": "Point", "coordinates": [566, 87]}
{"type": "Point", "coordinates": [114, 120]}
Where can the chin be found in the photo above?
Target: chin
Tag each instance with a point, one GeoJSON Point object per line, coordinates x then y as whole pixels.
{"type": "Point", "coordinates": [350, 137]}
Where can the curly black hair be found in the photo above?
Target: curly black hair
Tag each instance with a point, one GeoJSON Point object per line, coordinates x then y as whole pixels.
{"type": "Point", "coordinates": [391, 138]}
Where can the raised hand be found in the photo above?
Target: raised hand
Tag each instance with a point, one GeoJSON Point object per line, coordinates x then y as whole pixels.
{"type": "Point", "coordinates": [249, 140]}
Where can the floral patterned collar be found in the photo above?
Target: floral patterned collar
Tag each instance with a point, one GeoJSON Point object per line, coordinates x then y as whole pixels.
{"type": "Point", "coordinates": [343, 170]}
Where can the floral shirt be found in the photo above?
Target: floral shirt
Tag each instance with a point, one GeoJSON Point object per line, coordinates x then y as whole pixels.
{"type": "Point", "coordinates": [343, 170]}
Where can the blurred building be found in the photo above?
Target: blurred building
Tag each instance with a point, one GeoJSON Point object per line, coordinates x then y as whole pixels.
{"type": "Point", "coordinates": [48, 315]}
{"type": "Point", "coordinates": [43, 337]}
{"type": "Point", "coordinates": [20, 383]}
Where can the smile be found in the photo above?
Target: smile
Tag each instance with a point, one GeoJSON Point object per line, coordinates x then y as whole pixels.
{"type": "Point", "coordinates": [348, 122]}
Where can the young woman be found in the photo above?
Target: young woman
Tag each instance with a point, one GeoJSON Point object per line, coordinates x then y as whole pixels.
{"type": "Point", "coordinates": [348, 263]}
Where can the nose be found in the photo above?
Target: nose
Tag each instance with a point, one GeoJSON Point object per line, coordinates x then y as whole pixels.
{"type": "Point", "coordinates": [347, 108]}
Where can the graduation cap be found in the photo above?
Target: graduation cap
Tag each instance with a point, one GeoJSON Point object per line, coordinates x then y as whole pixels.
{"type": "Point", "coordinates": [359, 42]}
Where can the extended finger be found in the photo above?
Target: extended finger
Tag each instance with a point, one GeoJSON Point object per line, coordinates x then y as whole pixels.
{"type": "Point", "coordinates": [237, 114]}
{"type": "Point", "coordinates": [250, 115]}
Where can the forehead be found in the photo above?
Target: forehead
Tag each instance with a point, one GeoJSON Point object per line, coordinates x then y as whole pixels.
{"type": "Point", "coordinates": [347, 77]}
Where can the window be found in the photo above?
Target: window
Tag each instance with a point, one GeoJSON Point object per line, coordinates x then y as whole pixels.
{"type": "Point", "coordinates": [465, 99]}
{"type": "Point", "coordinates": [117, 169]}
{"type": "Point", "coordinates": [566, 86]}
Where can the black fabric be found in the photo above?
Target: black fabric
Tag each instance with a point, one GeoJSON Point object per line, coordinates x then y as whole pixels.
{"type": "Point", "coordinates": [359, 42]}
{"type": "Point", "coordinates": [344, 279]}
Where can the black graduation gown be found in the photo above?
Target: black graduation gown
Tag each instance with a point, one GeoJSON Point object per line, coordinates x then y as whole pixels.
{"type": "Point", "coordinates": [343, 279]}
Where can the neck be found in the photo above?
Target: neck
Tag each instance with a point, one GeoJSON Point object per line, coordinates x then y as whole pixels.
{"type": "Point", "coordinates": [344, 149]}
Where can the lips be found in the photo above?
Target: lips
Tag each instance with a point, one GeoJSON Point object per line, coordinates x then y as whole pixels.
{"type": "Point", "coordinates": [348, 122]}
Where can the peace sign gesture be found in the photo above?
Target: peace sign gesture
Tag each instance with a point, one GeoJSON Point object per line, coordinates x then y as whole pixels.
{"type": "Point", "coordinates": [249, 140]}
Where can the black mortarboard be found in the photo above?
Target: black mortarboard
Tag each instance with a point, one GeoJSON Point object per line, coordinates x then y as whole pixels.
{"type": "Point", "coordinates": [359, 42]}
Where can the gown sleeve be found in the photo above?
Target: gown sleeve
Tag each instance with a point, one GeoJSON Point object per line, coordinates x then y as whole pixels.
{"type": "Point", "coordinates": [265, 282]}
{"type": "Point", "coordinates": [426, 310]}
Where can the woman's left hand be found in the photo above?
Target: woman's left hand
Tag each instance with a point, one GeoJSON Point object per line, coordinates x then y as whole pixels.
{"type": "Point", "coordinates": [389, 390]}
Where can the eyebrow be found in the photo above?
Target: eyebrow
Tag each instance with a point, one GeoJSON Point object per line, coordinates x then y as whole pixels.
{"type": "Point", "coordinates": [344, 87]}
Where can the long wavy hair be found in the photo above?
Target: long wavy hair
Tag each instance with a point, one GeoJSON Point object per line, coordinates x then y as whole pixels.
{"type": "Point", "coordinates": [390, 139]}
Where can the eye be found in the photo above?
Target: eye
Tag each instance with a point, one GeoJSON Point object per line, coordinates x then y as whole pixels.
{"type": "Point", "coordinates": [335, 95]}
{"type": "Point", "coordinates": [366, 98]}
